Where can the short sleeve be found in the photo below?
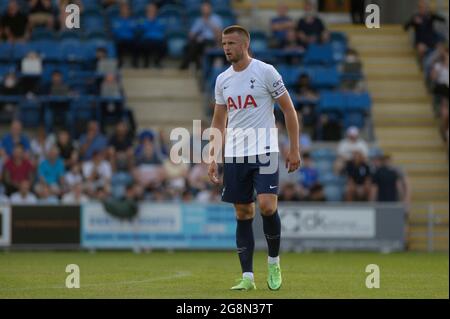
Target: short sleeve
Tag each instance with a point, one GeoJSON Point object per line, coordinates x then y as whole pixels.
{"type": "Point", "coordinates": [219, 93]}
{"type": "Point", "coordinates": [274, 83]}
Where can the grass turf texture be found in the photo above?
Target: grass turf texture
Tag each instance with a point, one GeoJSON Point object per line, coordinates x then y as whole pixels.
{"type": "Point", "coordinates": [211, 274]}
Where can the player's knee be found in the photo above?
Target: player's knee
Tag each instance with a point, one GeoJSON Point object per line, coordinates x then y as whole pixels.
{"type": "Point", "coordinates": [244, 211]}
{"type": "Point", "coordinates": [267, 208]}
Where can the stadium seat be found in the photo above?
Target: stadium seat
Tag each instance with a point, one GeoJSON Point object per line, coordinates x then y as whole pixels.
{"type": "Point", "coordinates": [30, 113]}
{"type": "Point", "coordinates": [324, 77]}
{"type": "Point", "coordinates": [319, 54]}
{"type": "Point", "coordinates": [171, 16]}
{"type": "Point", "coordinates": [354, 119]}
{"type": "Point", "coordinates": [176, 42]}
{"type": "Point", "coordinates": [6, 50]}
{"type": "Point", "coordinates": [42, 34]}
{"type": "Point", "coordinates": [324, 166]}
{"type": "Point", "coordinates": [333, 193]}
{"type": "Point", "coordinates": [327, 154]}
{"type": "Point", "coordinates": [358, 101]}
{"type": "Point", "coordinates": [228, 17]}
{"type": "Point", "coordinates": [49, 50]}
{"type": "Point", "coordinates": [259, 41]}
{"type": "Point", "coordinates": [332, 102]}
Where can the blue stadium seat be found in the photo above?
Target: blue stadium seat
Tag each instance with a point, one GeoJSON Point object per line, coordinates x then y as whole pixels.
{"type": "Point", "coordinates": [49, 50]}
{"type": "Point", "coordinates": [323, 154]}
{"type": "Point", "coordinates": [192, 4]}
{"type": "Point", "coordinates": [354, 119]}
{"type": "Point", "coordinates": [92, 44]}
{"type": "Point", "coordinates": [83, 108]}
{"type": "Point", "coordinates": [176, 42]}
{"type": "Point", "coordinates": [333, 193]}
{"type": "Point", "coordinates": [30, 113]}
{"type": "Point", "coordinates": [332, 102]}
{"type": "Point", "coordinates": [70, 34]}
{"type": "Point", "coordinates": [20, 50]}
{"type": "Point", "coordinates": [330, 179]}
{"type": "Point", "coordinates": [171, 17]}
{"type": "Point", "coordinates": [42, 34]}
{"type": "Point", "coordinates": [92, 22]}
{"type": "Point", "coordinates": [324, 166]}
{"type": "Point", "coordinates": [259, 41]}
{"type": "Point", "coordinates": [358, 102]}
{"type": "Point", "coordinates": [319, 54]}
{"type": "Point", "coordinates": [324, 77]}
{"type": "Point", "coordinates": [228, 17]}
{"type": "Point", "coordinates": [6, 50]}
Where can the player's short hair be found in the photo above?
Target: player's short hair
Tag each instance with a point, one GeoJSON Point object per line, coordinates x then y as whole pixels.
{"type": "Point", "coordinates": [238, 29]}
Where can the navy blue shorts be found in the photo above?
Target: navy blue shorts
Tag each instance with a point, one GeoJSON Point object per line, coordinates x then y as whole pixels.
{"type": "Point", "coordinates": [245, 176]}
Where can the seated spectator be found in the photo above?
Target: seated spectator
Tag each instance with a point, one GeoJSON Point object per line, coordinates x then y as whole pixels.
{"type": "Point", "coordinates": [57, 85]}
{"type": "Point", "coordinates": [308, 98]}
{"type": "Point", "coordinates": [97, 173]}
{"type": "Point", "coordinates": [310, 28]}
{"type": "Point", "coordinates": [289, 192]}
{"type": "Point", "coordinates": [24, 196]}
{"type": "Point", "coordinates": [205, 32]}
{"type": "Point", "coordinates": [386, 183]}
{"type": "Point", "coordinates": [41, 145]}
{"type": "Point", "coordinates": [46, 196]}
{"type": "Point", "coordinates": [121, 177]}
{"type": "Point", "coordinates": [75, 196]}
{"type": "Point", "coordinates": [352, 66]}
{"type": "Point", "coordinates": [73, 176]}
{"type": "Point", "coordinates": [425, 35]}
{"type": "Point", "coordinates": [328, 128]}
{"type": "Point", "coordinates": [16, 136]}
{"type": "Point", "coordinates": [41, 13]}
{"type": "Point", "coordinates": [66, 148]}
{"type": "Point", "coordinates": [121, 142]}
{"type": "Point", "coordinates": [348, 146]}
{"type": "Point", "coordinates": [281, 25]}
{"type": "Point", "coordinates": [358, 176]}
{"type": "Point", "coordinates": [11, 85]}
{"type": "Point", "coordinates": [198, 178]}
{"type": "Point", "coordinates": [14, 23]}
{"type": "Point", "coordinates": [309, 180]}
{"type": "Point", "coordinates": [123, 30]}
{"type": "Point", "coordinates": [51, 171]}
{"type": "Point", "coordinates": [92, 141]}
{"type": "Point", "coordinates": [103, 63]}
{"type": "Point", "coordinates": [292, 44]}
{"type": "Point", "coordinates": [149, 172]}
{"type": "Point", "coordinates": [110, 87]}
{"type": "Point", "coordinates": [31, 67]}
{"type": "Point", "coordinates": [153, 43]}
{"type": "Point", "coordinates": [357, 11]}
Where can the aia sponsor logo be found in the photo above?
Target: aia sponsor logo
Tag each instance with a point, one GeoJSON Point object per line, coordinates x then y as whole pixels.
{"type": "Point", "coordinates": [241, 103]}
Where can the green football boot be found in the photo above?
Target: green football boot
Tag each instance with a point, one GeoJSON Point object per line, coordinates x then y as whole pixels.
{"type": "Point", "coordinates": [274, 278]}
{"type": "Point", "coordinates": [244, 284]}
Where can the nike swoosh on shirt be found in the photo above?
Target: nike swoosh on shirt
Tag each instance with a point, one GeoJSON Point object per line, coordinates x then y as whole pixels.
{"type": "Point", "coordinates": [272, 187]}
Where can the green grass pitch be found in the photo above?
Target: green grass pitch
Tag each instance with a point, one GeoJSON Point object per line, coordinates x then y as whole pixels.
{"type": "Point", "coordinates": [210, 275]}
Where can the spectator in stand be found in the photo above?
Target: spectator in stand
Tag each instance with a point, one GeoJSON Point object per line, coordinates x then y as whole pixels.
{"type": "Point", "coordinates": [46, 196]}
{"type": "Point", "coordinates": [205, 32]}
{"type": "Point", "coordinates": [11, 85]}
{"type": "Point", "coordinates": [110, 87]}
{"type": "Point", "coordinates": [328, 128]}
{"type": "Point", "coordinates": [16, 169]}
{"type": "Point", "coordinates": [41, 13]}
{"type": "Point", "coordinates": [41, 145]}
{"type": "Point", "coordinates": [198, 179]}
{"type": "Point", "coordinates": [309, 180]}
{"type": "Point", "coordinates": [108, 3]}
{"type": "Point", "coordinates": [121, 177]}
{"type": "Point", "coordinates": [124, 33]}
{"type": "Point", "coordinates": [92, 141]}
{"type": "Point", "coordinates": [97, 173]}
{"type": "Point", "coordinates": [16, 136]}
{"type": "Point", "coordinates": [358, 176]}
{"type": "Point", "coordinates": [307, 97]}
{"type": "Point", "coordinates": [149, 172]}
{"type": "Point", "coordinates": [57, 85]}
{"type": "Point", "coordinates": [310, 28]}
{"type": "Point", "coordinates": [440, 79]}
{"type": "Point", "coordinates": [289, 192]}
{"type": "Point", "coordinates": [66, 148]}
{"type": "Point", "coordinates": [386, 183]}
{"type": "Point", "coordinates": [24, 196]}
{"type": "Point", "coordinates": [348, 146]}
{"type": "Point", "coordinates": [425, 34]}
{"type": "Point", "coordinates": [51, 172]}
{"type": "Point", "coordinates": [281, 25]}
{"type": "Point", "coordinates": [153, 42]}
{"type": "Point", "coordinates": [31, 67]}
{"type": "Point", "coordinates": [121, 142]}
{"type": "Point", "coordinates": [73, 176]}
{"type": "Point", "coordinates": [358, 11]}
{"type": "Point", "coordinates": [75, 196]}
{"type": "Point", "coordinates": [14, 23]}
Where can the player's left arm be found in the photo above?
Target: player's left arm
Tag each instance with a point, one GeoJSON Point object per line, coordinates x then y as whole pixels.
{"type": "Point", "coordinates": [291, 120]}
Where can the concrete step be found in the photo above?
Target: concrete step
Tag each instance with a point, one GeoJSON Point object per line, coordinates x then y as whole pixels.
{"type": "Point", "coordinates": [170, 110]}
{"type": "Point", "coordinates": [389, 109]}
{"type": "Point", "coordinates": [421, 161]}
{"type": "Point", "coordinates": [412, 87]}
{"type": "Point", "coordinates": [382, 120]}
{"type": "Point", "coordinates": [388, 40]}
{"type": "Point", "coordinates": [394, 97]}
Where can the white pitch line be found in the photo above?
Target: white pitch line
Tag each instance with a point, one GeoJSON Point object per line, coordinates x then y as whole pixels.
{"type": "Point", "coordinates": [179, 274]}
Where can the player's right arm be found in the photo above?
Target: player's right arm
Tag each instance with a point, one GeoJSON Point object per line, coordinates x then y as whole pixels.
{"type": "Point", "coordinates": [219, 123]}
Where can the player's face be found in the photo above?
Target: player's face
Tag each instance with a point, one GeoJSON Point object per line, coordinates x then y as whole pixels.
{"type": "Point", "coordinates": [234, 47]}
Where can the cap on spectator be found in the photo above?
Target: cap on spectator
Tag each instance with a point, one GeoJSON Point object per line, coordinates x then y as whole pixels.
{"type": "Point", "coordinates": [353, 131]}
{"type": "Point", "coordinates": [146, 134]}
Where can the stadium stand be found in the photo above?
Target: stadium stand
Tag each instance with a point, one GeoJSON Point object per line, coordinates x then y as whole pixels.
{"type": "Point", "coordinates": [344, 83]}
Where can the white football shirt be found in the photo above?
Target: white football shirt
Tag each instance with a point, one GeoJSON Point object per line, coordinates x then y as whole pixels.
{"type": "Point", "coordinates": [249, 97]}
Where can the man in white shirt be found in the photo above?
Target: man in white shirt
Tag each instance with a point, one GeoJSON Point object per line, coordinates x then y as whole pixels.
{"type": "Point", "coordinates": [245, 96]}
{"type": "Point", "coordinates": [24, 196]}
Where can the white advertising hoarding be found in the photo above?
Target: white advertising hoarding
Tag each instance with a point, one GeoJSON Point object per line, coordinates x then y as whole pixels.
{"type": "Point", "coordinates": [324, 222]}
{"type": "Point", "coordinates": [5, 220]}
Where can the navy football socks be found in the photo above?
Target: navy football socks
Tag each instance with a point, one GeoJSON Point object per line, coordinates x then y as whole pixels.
{"type": "Point", "coordinates": [245, 244]}
{"type": "Point", "coordinates": [272, 231]}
